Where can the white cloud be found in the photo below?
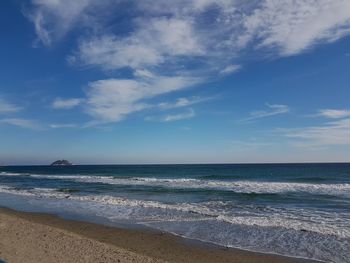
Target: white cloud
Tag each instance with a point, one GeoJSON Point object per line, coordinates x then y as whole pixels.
{"type": "Point", "coordinates": [175, 37]}
{"type": "Point", "coordinates": [112, 99]}
{"type": "Point", "coordinates": [183, 102]}
{"type": "Point", "coordinates": [334, 114]}
{"type": "Point", "coordinates": [189, 114]}
{"type": "Point", "coordinates": [293, 26]}
{"type": "Point", "coordinates": [23, 123]}
{"type": "Point", "coordinates": [230, 69]}
{"type": "Point", "coordinates": [170, 43]}
{"type": "Point", "coordinates": [163, 7]}
{"type": "Point", "coordinates": [172, 33]}
{"type": "Point", "coordinates": [143, 73]}
{"type": "Point", "coordinates": [62, 125]}
{"type": "Point", "coordinates": [274, 109]}
{"type": "Point", "coordinates": [155, 40]}
{"type": "Point", "coordinates": [174, 27]}
{"type": "Point", "coordinates": [60, 103]}
{"type": "Point", "coordinates": [6, 107]}
{"type": "Point", "coordinates": [110, 53]}
{"type": "Point", "coordinates": [181, 116]}
{"type": "Point", "coordinates": [52, 19]}
{"type": "Point", "coordinates": [287, 26]}
{"type": "Point", "coordinates": [328, 134]}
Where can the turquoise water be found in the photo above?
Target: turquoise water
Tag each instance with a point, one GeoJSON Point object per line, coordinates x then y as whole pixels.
{"type": "Point", "coordinates": [300, 210]}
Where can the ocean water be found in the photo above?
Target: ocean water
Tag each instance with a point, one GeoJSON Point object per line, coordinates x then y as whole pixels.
{"type": "Point", "coordinates": [299, 210]}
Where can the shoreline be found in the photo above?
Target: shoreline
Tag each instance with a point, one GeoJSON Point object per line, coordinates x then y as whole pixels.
{"type": "Point", "coordinates": [102, 242]}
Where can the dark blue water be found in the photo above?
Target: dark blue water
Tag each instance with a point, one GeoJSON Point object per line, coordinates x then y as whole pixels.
{"type": "Point", "coordinates": [300, 210]}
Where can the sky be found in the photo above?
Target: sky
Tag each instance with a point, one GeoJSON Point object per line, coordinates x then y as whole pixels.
{"type": "Point", "coordinates": [181, 81]}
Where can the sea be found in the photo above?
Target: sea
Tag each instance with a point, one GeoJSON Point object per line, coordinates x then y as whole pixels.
{"type": "Point", "coordinates": [298, 210]}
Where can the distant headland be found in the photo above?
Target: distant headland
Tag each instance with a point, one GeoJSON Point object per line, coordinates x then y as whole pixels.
{"type": "Point", "coordinates": [61, 163]}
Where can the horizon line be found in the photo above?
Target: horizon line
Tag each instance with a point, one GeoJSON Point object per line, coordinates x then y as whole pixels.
{"type": "Point", "coordinates": [139, 164]}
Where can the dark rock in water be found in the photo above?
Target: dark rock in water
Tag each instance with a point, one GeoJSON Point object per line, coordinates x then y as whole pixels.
{"type": "Point", "coordinates": [67, 190]}
{"type": "Point", "coordinates": [61, 163]}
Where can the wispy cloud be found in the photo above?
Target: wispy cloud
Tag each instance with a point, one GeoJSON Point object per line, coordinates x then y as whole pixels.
{"type": "Point", "coordinates": [62, 125]}
{"type": "Point", "coordinates": [35, 124]}
{"type": "Point", "coordinates": [23, 123]}
{"type": "Point", "coordinates": [53, 19]}
{"type": "Point", "coordinates": [328, 134]}
{"type": "Point", "coordinates": [170, 43]}
{"type": "Point", "coordinates": [164, 28]}
{"type": "Point", "coordinates": [153, 43]}
{"type": "Point", "coordinates": [183, 102]}
{"type": "Point", "coordinates": [230, 69]}
{"type": "Point", "coordinates": [7, 107]}
{"type": "Point", "coordinates": [112, 99]}
{"type": "Point", "coordinates": [273, 109]}
{"type": "Point", "coordinates": [189, 114]}
{"type": "Point", "coordinates": [334, 114]}
{"type": "Point", "coordinates": [60, 103]}
{"type": "Point", "coordinates": [181, 116]}
{"type": "Point", "coordinates": [297, 25]}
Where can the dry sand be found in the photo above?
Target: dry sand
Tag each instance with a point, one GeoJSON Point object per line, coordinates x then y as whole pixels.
{"type": "Point", "coordinates": [31, 237]}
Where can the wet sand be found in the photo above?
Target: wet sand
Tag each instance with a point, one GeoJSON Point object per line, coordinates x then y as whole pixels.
{"type": "Point", "coordinates": [34, 237]}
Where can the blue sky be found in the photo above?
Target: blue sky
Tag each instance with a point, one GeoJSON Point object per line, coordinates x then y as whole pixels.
{"type": "Point", "coordinates": [194, 81]}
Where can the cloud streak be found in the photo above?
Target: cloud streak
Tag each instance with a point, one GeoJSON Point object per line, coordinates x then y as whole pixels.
{"type": "Point", "coordinates": [334, 114]}
{"type": "Point", "coordinates": [168, 44]}
{"type": "Point", "coordinates": [189, 114]}
{"type": "Point", "coordinates": [181, 116]}
{"type": "Point", "coordinates": [273, 109]}
{"type": "Point", "coordinates": [112, 100]}
{"type": "Point", "coordinates": [294, 26]}
{"type": "Point", "coordinates": [328, 134]}
{"type": "Point", "coordinates": [22, 123]}
{"type": "Point", "coordinates": [62, 125]}
{"type": "Point", "coordinates": [154, 43]}
{"type": "Point", "coordinates": [7, 107]}
{"type": "Point", "coordinates": [186, 28]}
{"type": "Point", "coordinates": [183, 102]}
{"type": "Point", "coordinates": [65, 104]}
{"type": "Point", "coordinates": [53, 19]}
{"type": "Point", "coordinates": [230, 69]}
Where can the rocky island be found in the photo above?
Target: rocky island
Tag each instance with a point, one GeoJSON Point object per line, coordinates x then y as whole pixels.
{"type": "Point", "coordinates": [61, 163]}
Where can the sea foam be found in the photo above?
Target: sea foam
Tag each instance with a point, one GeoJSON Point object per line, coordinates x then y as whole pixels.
{"type": "Point", "coordinates": [246, 186]}
{"type": "Point", "coordinates": [301, 220]}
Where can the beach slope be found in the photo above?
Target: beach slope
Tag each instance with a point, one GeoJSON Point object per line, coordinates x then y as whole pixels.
{"type": "Point", "coordinates": [25, 241]}
{"type": "Point", "coordinates": [31, 237]}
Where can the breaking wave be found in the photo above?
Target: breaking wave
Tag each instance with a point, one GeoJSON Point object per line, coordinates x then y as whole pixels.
{"type": "Point", "coordinates": [341, 189]}
{"type": "Point", "coordinates": [215, 210]}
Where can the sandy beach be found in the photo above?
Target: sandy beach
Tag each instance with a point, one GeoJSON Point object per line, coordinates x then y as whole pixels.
{"type": "Point", "coordinates": [32, 237]}
{"type": "Point", "coordinates": [181, 131]}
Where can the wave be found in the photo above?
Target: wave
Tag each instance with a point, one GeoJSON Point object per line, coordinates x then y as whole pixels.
{"type": "Point", "coordinates": [257, 187]}
{"type": "Point", "coordinates": [215, 177]}
{"type": "Point", "coordinates": [336, 224]}
{"type": "Point", "coordinates": [14, 174]}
